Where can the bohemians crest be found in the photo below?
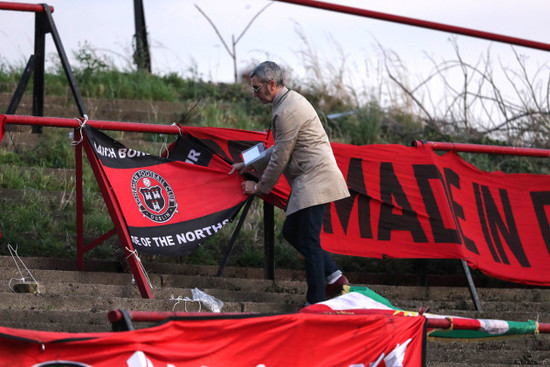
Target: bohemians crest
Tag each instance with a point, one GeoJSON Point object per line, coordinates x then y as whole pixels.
{"type": "Point", "coordinates": [154, 196]}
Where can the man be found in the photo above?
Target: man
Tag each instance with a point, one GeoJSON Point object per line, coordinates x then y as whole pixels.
{"type": "Point", "coordinates": [301, 152]}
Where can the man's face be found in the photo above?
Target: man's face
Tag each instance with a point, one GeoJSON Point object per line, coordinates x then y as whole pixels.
{"type": "Point", "coordinates": [263, 90]}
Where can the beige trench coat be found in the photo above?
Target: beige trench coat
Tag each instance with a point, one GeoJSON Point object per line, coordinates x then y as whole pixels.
{"type": "Point", "coordinates": [301, 152]}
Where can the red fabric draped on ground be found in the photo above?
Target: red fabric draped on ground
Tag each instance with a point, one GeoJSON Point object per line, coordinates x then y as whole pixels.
{"type": "Point", "coordinates": [277, 340]}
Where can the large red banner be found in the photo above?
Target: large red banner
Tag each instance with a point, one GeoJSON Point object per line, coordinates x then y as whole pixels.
{"type": "Point", "coordinates": [412, 203]}
{"type": "Point", "coordinates": [298, 339]}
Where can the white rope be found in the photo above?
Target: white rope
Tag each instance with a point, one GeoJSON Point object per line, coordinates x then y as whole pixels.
{"type": "Point", "coordinates": [134, 252]}
{"type": "Point", "coordinates": [176, 124]}
{"type": "Point", "coordinates": [82, 124]}
{"type": "Point", "coordinates": [164, 147]}
{"type": "Point", "coordinates": [23, 279]}
{"type": "Point", "coordinates": [185, 300]}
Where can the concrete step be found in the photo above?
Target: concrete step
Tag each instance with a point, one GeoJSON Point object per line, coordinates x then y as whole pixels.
{"type": "Point", "coordinates": [158, 271]}
{"type": "Point", "coordinates": [535, 343]}
{"type": "Point", "coordinates": [248, 292]}
{"type": "Point", "coordinates": [454, 293]}
{"type": "Point", "coordinates": [169, 275]}
{"type": "Point", "coordinates": [122, 284]}
{"type": "Point", "coordinates": [64, 327]}
{"type": "Point", "coordinates": [55, 320]}
{"type": "Point", "coordinates": [260, 290]}
{"type": "Point", "coordinates": [96, 303]}
{"type": "Point", "coordinates": [438, 299]}
{"type": "Point", "coordinates": [437, 306]}
{"type": "Point", "coordinates": [103, 109]}
{"type": "Point", "coordinates": [482, 353]}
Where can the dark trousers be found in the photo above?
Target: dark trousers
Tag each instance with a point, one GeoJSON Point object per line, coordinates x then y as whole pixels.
{"type": "Point", "coordinates": [302, 230]}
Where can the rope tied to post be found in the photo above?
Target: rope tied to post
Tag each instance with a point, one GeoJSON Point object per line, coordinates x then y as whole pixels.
{"type": "Point", "coordinates": [23, 279]}
{"type": "Point", "coordinates": [178, 126]}
{"type": "Point", "coordinates": [82, 124]}
{"type": "Point", "coordinates": [135, 253]}
{"type": "Point", "coordinates": [164, 151]}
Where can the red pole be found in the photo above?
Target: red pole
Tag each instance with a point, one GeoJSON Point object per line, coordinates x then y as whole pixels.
{"type": "Point", "coordinates": [101, 125]}
{"type": "Point", "coordinates": [115, 212]}
{"type": "Point", "coordinates": [420, 23]}
{"type": "Point", "coordinates": [158, 316]}
{"type": "Point", "coordinates": [35, 8]}
{"type": "Point", "coordinates": [488, 149]}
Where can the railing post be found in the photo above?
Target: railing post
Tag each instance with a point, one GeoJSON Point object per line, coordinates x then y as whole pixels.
{"type": "Point", "coordinates": [21, 86]}
{"type": "Point", "coordinates": [269, 241]}
{"type": "Point", "coordinates": [421, 272]}
{"type": "Point", "coordinates": [142, 57]}
{"type": "Point", "coordinates": [64, 62]}
{"type": "Point", "coordinates": [40, 30]}
{"type": "Point", "coordinates": [471, 286]}
{"type": "Point", "coordinates": [233, 239]}
{"type": "Point", "coordinates": [79, 201]}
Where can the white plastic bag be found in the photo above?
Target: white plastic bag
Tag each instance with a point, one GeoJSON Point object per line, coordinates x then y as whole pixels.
{"type": "Point", "coordinates": [211, 303]}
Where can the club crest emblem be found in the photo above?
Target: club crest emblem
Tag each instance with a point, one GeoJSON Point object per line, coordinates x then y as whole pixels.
{"type": "Point", "coordinates": [154, 196]}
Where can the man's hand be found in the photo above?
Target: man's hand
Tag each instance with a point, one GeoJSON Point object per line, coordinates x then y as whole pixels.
{"type": "Point", "coordinates": [239, 167]}
{"type": "Point", "coordinates": [249, 187]}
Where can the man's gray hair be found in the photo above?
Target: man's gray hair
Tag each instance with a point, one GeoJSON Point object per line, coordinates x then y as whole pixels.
{"type": "Point", "coordinates": [268, 70]}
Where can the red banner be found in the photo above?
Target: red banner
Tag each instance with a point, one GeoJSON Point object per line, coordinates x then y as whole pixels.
{"type": "Point", "coordinates": [170, 204]}
{"type": "Point", "coordinates": [412, 203]}
{"type": "Point", "coordinates": [228, 145]}
{"type": "Point", "coordinates": [278, 340]}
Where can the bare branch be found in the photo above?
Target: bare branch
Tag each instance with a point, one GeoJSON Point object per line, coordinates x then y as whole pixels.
{"type": "Point", "coordinates": [409, 93]}
{"type": "Point", "coordinates": [233, 51]}
{"type": "Point", "coordinates": [215, 30]}
{"type": "Point", "coordinates": [252, 21]}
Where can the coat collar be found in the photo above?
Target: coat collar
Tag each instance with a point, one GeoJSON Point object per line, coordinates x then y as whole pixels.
{"type": "Point", "coordinates": [280, 97]}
